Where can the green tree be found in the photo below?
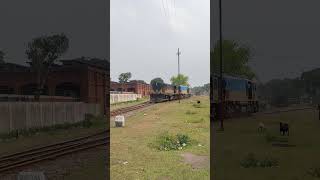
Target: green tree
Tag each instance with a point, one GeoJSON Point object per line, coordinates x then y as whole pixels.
{"type": "Point", "coordinates": [2, 54]}
{"type": "Point", "coordinates": [124, 78]}
{"type": "Point", "coordinates": [157, 84]}
{"type": "Point", "coordinates": [43, 51]}
{"type": "Point", "coordinates": [201, 90]}
{"type": "Point", "coordinates": [235, 59]}
{"type": "Point", "coordinates": [179, 80]}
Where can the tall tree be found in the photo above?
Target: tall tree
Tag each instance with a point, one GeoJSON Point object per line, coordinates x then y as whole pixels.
{"type": "Point", "coordinates": [43, 51]}
{"type": "Point", "coordinates": [124, 78]}
{"type": "Point", "coordinates": [157, 84]}
{"type": "Point", "coordinates": [179, 80]}
{"type": "Point", "coordinates": [235, 59]}
{"type": "Point", "coordinates": [2, 54]}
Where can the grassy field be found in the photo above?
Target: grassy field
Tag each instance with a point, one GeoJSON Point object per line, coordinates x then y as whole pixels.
{"type": "Point", "coordinates": [241, 137]}
{"type": "Point", "coordinates": [126, 104]}
{"type": "Point", "coordinates": [134, 157]}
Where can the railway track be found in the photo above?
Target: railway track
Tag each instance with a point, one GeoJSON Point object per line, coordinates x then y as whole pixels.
{"type": "Point", "coordinates": [49, 152]}
{"type": "Point", "coordinates": [130, 108]}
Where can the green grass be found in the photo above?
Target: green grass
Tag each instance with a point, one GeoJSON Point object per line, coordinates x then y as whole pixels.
{"type": "Point", "coordinates": [241, 138]}
{"type": "Point", "coordinates": [132, 143]}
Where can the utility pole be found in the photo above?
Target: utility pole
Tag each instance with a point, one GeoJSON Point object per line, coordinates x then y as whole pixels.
{"type": "Point", "coordinates": [178, 53]}
{"type": "Point", "coordinates": [220, 82]}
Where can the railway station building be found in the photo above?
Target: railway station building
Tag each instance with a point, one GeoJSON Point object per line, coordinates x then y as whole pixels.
{"type": "Point", "coordinates": [135, 86]}
{"type": "Point", "coordinates": [82, 79]}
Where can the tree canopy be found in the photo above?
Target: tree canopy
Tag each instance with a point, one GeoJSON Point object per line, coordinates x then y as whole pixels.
{"type": "Point", "coordinates": [235, 59]}
{"type": "Point", "coordinates": [2, 54]}
{"type": "Point", "coordinates": [201, 90]}
{"type": "Point", "coordinates": [179, 80]}
{"type": "Point", "coordinates": [124, 77]}
{"type": "Point", "coordinates": [157, 84]}
{"type": "Point", "coordinates": [43, 51]}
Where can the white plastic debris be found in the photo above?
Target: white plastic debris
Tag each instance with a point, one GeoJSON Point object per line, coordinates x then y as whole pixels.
{"type": "Point", "coordinates": [126, 162]}
{"type": "Point", "coordinates": [119, 121]}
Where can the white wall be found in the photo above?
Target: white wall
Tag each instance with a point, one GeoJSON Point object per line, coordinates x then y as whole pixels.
{"type": "Point", "coordinates": [116, 98]}
{"type": "Point", "coordinates": [24, 115]}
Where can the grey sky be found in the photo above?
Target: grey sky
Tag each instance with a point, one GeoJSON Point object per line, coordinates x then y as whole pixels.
{"type": "Point", "coordinates": [144, 40]}
{"type": "Point", "coordinates": [84, 22]}
{"type": "Point", "coordinates": [284, 34]}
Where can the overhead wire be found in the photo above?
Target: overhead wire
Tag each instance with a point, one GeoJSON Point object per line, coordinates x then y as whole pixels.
{"type": "Point", "coordinates": [164, 9]}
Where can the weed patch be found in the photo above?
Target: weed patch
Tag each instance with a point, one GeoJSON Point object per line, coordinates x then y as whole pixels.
{"type": "Point", "coordinates": [167, 142]}
{"type": "Point", "coordinates": [250, 161]}
{"type": "Point", "coordinates": [87, 123]}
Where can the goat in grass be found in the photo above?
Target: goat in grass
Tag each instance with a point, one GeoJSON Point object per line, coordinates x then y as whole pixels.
{"type": "Point", "coordinates": [284, 128]}
{"type": "Point", "coordinates": [261, 127]}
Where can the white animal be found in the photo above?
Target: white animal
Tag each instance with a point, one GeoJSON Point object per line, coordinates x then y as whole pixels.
{"type": "Point", "coordinates": [261, 127]}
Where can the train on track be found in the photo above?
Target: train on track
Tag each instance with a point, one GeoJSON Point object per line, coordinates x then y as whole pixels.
{"type": "Point", "coordinates": [238, 95]}
{"type": "Point", "coordinates": [168, 93]}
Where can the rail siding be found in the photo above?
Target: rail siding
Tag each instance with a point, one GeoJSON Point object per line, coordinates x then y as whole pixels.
{"type": "Point", "coordinates": [25, 115]}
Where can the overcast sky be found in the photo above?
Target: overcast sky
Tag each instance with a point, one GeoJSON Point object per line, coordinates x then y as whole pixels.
{"type": "Point", "coordinates": [145, 36]}
{"type": "Point", "coordinates": [284, 34]}
{"type": "Point", "coordinates": [84, 22]}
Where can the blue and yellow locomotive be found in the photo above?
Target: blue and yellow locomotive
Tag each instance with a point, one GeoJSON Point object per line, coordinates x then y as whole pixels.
{"type": "Point", "coordinates": [238, 95]}
{"type": "Point", "coordinates": [169, 92]}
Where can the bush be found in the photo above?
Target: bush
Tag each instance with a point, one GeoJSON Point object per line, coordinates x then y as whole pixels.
{"type": "Point", "coordinates": [268, 162]}
{"type": "Point", "coordinates": [167, 142]}
{"type": "Point", "coordinates": [251, 161]}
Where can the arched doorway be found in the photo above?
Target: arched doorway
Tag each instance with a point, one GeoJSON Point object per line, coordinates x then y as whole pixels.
{"type": "Point", "coordinates": [31, 89]}
{"type": "Point", "coordinates": [68, 89]}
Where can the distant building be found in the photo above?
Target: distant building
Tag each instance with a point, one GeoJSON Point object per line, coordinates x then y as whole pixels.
{"type": "Point", "coordinates": [79, 79]}
{"type": "Point", "coordinates": [135, 86]}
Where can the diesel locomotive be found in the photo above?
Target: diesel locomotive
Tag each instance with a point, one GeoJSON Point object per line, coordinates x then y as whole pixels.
{"type": "Point", "coordinates": [169, 92]}
{"type": "Point", "coordinates": [238, 95]}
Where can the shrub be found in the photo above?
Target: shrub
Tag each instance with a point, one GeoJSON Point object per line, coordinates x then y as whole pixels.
{"type": "Point", "coordinates": [167, 142]}
{"type": "Point", "coordinates": [251, 161]}
{"type": "Point", "coordinates": [268, 162]}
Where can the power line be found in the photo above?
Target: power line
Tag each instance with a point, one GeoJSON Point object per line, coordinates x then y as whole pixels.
{"type": "Point", "coordinates": [174, 7]}
{"type": "Point", "coordinates": [164, 9]}
{"type": "Point", "coordinates": [168, 8]}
